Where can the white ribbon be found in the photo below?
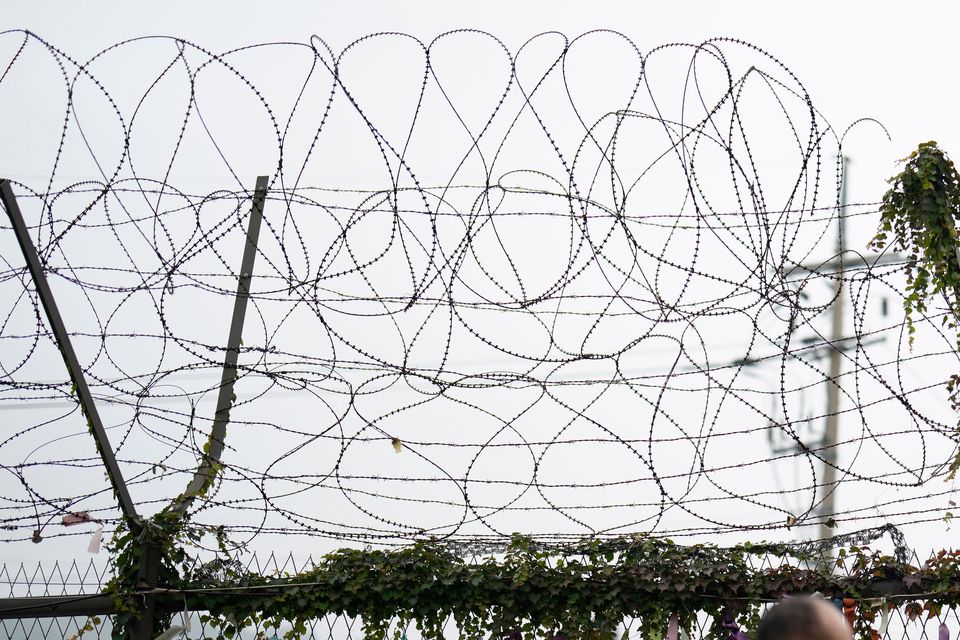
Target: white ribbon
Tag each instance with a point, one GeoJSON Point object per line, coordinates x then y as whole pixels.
{"type": "Point", "coordinates": [94, 546]}
{"type": "Point", "coordinates": [170, 633]}
{"type": "Point", "coordinates": [884, 620]}
{"type": "Point", "coordinates": [186, 617]}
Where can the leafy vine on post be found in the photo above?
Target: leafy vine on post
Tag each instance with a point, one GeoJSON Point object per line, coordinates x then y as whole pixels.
{"type": "Point", "coordinates": [156, 547]}
{"type": "Point", "coordinates": [160, 541]}
{"type": "Point", "coordinates": [151, 553]}
{"type": "Point", "coordinates": [919, 216]}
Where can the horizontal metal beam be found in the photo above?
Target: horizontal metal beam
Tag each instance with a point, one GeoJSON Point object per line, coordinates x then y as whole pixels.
{"type": "Point", "coordinates": [57, 606]}
{"type": "Point", "coordinates": [96, 604]}
{"type": "Point", "coordinates": [171, 601]}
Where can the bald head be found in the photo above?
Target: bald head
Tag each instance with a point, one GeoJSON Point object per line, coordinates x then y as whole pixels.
{"type": "Point", "coordinates": [803, 619]}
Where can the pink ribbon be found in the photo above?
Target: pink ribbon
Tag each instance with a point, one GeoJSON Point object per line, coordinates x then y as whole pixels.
{"type": "Point", "coordinates": [674, 625]}
{"type": "Point", "coordinates": [76, 518]}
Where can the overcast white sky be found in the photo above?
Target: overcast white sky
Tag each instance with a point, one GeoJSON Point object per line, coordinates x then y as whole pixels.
{"type": "Point", "coordinates": [889, 61]}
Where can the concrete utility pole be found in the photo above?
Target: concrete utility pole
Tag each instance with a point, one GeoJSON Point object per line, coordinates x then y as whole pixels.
{"type": "Point", "coordinates": [834, 350]}
{"type": "Point", "coordinates": [825, 440]}
{"type": "Point", "coordinates": [836, 363]}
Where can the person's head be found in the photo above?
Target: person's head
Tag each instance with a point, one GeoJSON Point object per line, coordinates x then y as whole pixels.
{"type": "Point", "coordinates": [803, 619]}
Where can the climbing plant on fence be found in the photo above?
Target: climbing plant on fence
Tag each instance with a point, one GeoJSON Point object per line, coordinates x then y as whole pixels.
{"type": "Point", "coordinates": [563, 593]}
{"type": "Point", "coordinates": [919, 216]}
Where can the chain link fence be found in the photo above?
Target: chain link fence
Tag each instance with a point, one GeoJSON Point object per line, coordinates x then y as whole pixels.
{"type": "Point", "coordinates": [87, 577]}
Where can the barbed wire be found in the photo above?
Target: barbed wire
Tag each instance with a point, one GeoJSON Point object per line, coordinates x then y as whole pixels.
{"type": "Point", "coordinates": [608, 315]}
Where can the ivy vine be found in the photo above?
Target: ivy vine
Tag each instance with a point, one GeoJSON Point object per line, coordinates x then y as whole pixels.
{"type": "Point", "coordinates": [128, 546]}
{"type": "Point", "coordinates": [169, 532]}
{"type": "Point", "coordinates": [579, 593]}
{"type": "Point", "coordinates": [919, 216]}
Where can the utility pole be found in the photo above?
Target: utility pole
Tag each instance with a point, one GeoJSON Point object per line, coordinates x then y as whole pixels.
{"type": "Point", "coordinates": [836, 363]}
{"type": "Point", "coordinates": [835, 348]}
{"type": "Point", "coordinates": [826, 440]}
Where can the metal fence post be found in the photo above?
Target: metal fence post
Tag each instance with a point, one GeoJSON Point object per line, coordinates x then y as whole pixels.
{"type": "Point", "coordinates": [148, 575]}
{"type": "Point", "coordinates": [69, 357]}
{"type": "Point", "coordinates": [218, 431]}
